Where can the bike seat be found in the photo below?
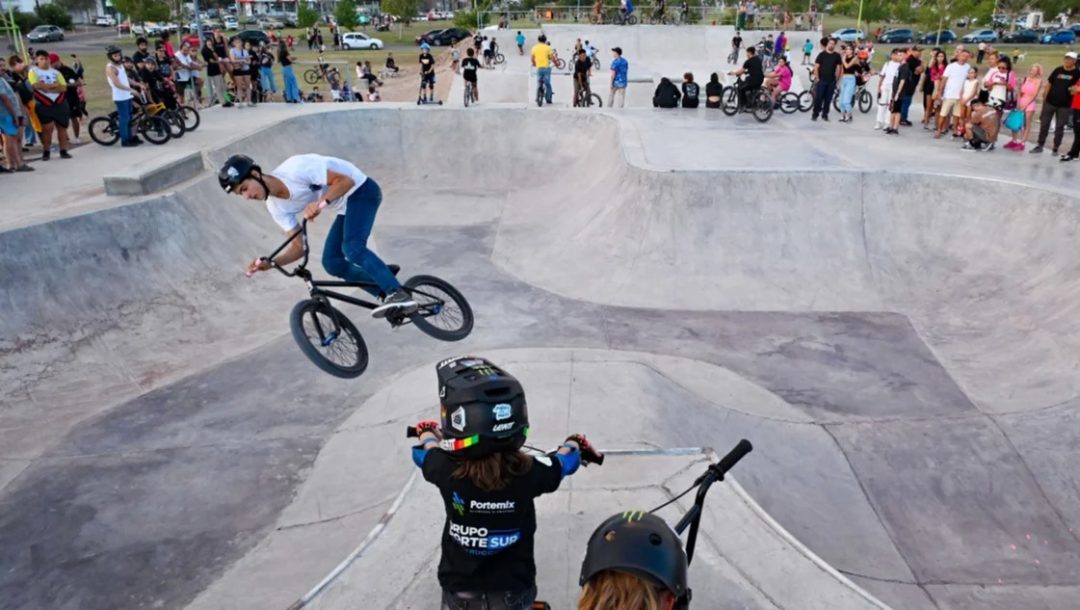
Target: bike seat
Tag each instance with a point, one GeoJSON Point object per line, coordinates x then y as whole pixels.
{"type": "Point", "coordinates": [394, 269]}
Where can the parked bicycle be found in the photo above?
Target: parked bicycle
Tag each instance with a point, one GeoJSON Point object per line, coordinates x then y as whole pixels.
{"type": "Point", "coordinates": [330, 340]}
{"type": "Point", "coordinates": [153, 121]}
{"type": "Point", "coordinates": [863, 99]}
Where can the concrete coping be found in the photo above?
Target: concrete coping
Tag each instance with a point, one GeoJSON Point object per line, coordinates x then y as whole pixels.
{"type": "Point", "coordinates": [153, 175]}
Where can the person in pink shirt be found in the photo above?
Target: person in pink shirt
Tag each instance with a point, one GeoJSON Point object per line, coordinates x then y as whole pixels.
{"type": "Point", "coordinates": [779, 79]}
{"type": "Point", "coordinates": [1029, 92]}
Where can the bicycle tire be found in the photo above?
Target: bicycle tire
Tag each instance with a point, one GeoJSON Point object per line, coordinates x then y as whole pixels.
{"type": "Point", "coordinates": [318, 313]}
{"type": "Point", "coordinates": [596, 100]}
{"type": "Point", "coordinates": [192, 120]}
{"type": "Point", "coordinates": [596, 63]}
{"type": "Point", "coordinates": [499, 58]}
{"type": "Point", "coordinates": [312, 76]}
{"type": "Point", "coordinates": [836, 100]}
{"type": "Point", "coordinates": [468, 94]}
{"type": "Point", "coordinates": [866, 101]}
{"type": "Point", "coordinates": [424, 289]}
{"type": "Point", "coordinates": [762, 106]}
{"type": "Point", "coordinates": [540, 96]}
{"type": "Point", "coordinates": [104, 131]}
{"type": "Point", "coordinates": [789, 103]}
{"type": "Point", "coordinates": [155, 129]}
{"type": "Point", "coordinates": [631, 20]}
{"type": "Point", "coordinates": [729, 101]}
{"type": "Point", "coordinates": [806, 101]}
{"type": "Point", "coordinates": [560, 63]}
{"type": "Point", "coordinates": [176, 123]}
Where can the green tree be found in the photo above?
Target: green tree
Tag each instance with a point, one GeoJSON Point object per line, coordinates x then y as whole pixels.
{"type": "Point", "coordinates": [141, 11]}
{"type": "Point", "coordinates": [345, 13]}
{"type": "Point", "coordinates": [940, 14]}
{"type": "Point", "coordinates": [53, 15]}
{"type": "Point", "coordinates": [306, 16]}
{"type": "Point", "coordinates": [77, 6]}
{"type": "Point", "coordinates": [402, 9]}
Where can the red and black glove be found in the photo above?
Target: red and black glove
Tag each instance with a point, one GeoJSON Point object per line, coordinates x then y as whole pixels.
{"type": "Point", "coordinates": [428, 425]}
{"type": "Point", "coordinates": [588, 454]}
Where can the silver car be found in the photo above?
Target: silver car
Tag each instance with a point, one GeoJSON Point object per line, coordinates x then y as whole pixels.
{"type": "Point", "coordinates": [45, 33]}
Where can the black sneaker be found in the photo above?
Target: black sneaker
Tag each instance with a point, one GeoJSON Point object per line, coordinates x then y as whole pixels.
{"type": "Point", "coordinates": [227, 105]}
{"type": "Point", "coordinates": [906, 123]}
{"type": "Point", "coordinates": [65, 154]}
{"type": "Point", "coordinates": [398, 302]}
{"type": "Point", "coordinates": [1067, 158]}
{"type": "Point", "coordinates": [45, 156]}
{"type": "Point", "coordinates": [1037, 149]}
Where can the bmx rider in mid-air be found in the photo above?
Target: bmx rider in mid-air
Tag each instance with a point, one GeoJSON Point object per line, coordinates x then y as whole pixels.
{"type": "Point", "coordinates": [302, 187]}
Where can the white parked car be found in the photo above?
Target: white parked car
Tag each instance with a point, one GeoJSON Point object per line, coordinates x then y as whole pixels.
{"type": "Point", "coordinates": [356, 40]}
{"type": "Point", "coordinates": [107, 21]}
{"type": "Point", "coordinates": [231, 23]}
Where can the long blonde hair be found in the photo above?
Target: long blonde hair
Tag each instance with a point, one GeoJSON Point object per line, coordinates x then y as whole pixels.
{"type": "Point", "coordinates": [495, 471]}
{"type": "Point", "coordinates": [613, 590]}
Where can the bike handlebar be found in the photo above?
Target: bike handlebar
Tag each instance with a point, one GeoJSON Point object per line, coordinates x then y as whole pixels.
{"type": "Point", "coordinates": [302, 233]}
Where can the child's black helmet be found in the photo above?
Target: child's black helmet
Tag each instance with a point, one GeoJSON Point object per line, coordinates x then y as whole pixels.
{"type": "Point", "coordinates": [483, 407]}
{"type": "Point", "coordinates": [641, 544]}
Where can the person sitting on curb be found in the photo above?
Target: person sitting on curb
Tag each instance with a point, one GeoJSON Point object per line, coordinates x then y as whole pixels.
{"type": "Point", "coordinates": [667, 94]}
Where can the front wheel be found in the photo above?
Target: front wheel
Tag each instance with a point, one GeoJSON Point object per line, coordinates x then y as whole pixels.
{"type": "Point", "coordinates": [729, 101]}
{"type": "Point", "coordinates": [560, 63]}
{"type": "Point", "coordinates": [155, 129]}
{"type": "Point", "coordinates": [596, 100]}
{"type": "Point", "coordinates": [176, 123]}
{"type": "Point", "coordinates": [191, 117]}
{"type": "Point", "coordinates": [631, 20]}
{"type": "Point", "coordinates": [540, 95]}
{"type": "Point", "coordinates": [328, 338]}
{"type": "Point", "coordinates": [311, 76]}
{"type": "Point", "coordinates": [499, 58]}
{"type": "Point", "coordinates": [104, 131]}
{"type": "Point", "coordinates": [789, 103]}
{"type": "Point", "coordinates": [806, 101]}
{"type": "Point", "coordinates": [762, 106]}
{"type": "Point", "coordinates": [443, 312]}
{"type": "Point", "coordinates": [866, 101]}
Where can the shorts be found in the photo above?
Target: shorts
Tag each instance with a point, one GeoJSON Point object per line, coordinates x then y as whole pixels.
{"type": "Point", "coordinates": [895, 106]}
{"type": "Point", "coordinates": [487, 53]}
{"type": "Point", "coordinates": [54, 113]}
{"type": "Point", "coordinates": [8, 127]}
{"type": "Point", "coordinates": [469, 76]}
{"type": "Point", "coordinates": [427, 78]}
{"type": "Point", "coordinates": [951, 107]}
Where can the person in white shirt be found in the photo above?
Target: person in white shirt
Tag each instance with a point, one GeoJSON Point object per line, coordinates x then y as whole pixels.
{"type": "Point", "coordinates": [302, 187]}
{"type": "Point", "coordinates": [950, 90]}
{"type": "Point", "coordinates": [885, 91]}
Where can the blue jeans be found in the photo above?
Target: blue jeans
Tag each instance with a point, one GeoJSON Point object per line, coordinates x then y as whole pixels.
{"type": "Point", "coordinates": [544, 75]}
{"type": "Point", "coordinates": [266, 79]}
{"type": "Point", "coordinates": [346, 254]}
{"type": "Point", "coordinates": [292, 89]}
{"type": "Point", "coordinates": [905, 106]}
{"type": "Point", "coordinates": [847, 93]}
{"type": "Point", "coordinates": [123, 118]}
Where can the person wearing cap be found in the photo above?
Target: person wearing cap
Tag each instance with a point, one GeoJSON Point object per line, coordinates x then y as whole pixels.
{"type": "Point", "coordinates": [1056, 101]}
{"type": "Point", "coordinates": [122, 89]}
{"type": "Point", "coordinates": [634, 561]}
{"type": "Point", "coordinates": [619, 77]}
{"type": "Point", "coordinates": [50, 101]}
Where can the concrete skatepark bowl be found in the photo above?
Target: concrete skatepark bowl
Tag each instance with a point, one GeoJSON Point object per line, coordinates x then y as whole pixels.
{"type": "Point", "coordinates": [902, 347]}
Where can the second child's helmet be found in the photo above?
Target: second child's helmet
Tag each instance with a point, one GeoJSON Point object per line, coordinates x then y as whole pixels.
{"type": "Point", "coordinates": [641, 544]}
{"type": "Point", "coordinates": [483, 407]}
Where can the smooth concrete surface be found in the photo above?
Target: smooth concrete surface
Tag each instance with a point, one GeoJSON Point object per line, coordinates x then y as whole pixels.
{"type": "Point", "coordinates": [892, 325]}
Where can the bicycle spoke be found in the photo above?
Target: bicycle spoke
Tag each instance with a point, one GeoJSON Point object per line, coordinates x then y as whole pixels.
{"type": "Point", "coordinates": [448, 316]}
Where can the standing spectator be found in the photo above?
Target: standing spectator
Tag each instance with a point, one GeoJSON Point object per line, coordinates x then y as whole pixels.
{"type": "Point", "coordinates": [166, 43]}
{"type": "Point", "coordinates": [981, 53]}
{"type": "Point", "coordinates": [141, 50]}
{"type": "Point", "coordinates": [952, 86]}
{"type": "Point", "coordinates": [690, 91]}
{"type": "Point", "coordinates": [906, 79]}
{"type": "Point", "coordinates": [807, 49]}
{"type": "Point", "coordinates": [214, 73]}
{"type": "Point", "coordinates": [970, 93]}
{"type": "Point", "coordinates": [930, 83]}
{"type": "Point", "coordinates": [455, 57]}
{"type": "Point", "coordinates": [849, 64]}
{"type": "Point", "coordinates": [885, 92]}
{"type": "Point", "coordinates": [907, 95]}
{"type": "Point", "coordinates": [266, 72]}
{"type": "Point", "coordinates": [12, 120]}
{"type": "Point", "coordinates": [183, 63]}
{"type": "Point", "coordinates": [76, 108]}
{"type": "Point", "coordinates": [290, 41]}
{"type": "Point", "coordinates": [1057, 97]}
{"type": "Point", "coordinates": [1000, 82]}
{"type": "Point", "coordinates": [21, 84]}
{"type": "Point", "coordinates": [240, 59]}
{"type": "Point", "coordinates": [780, 46]}
{"type": "Point", "coordinates": [620, 69]}
{"type": "Point", "coordinates": [826, 73]}
{"type": "Point", "coordinates": [291, 89]}
{"type": "Point", "coordinates": [1029, 91]}
{"type": "Point", "coordinates": [1074, 152]}
{"type": "Point", "coordinates": [50, 99]}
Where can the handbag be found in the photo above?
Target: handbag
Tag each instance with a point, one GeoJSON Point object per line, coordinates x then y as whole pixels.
{"type": "Point", "coordinates": [1015, 120]}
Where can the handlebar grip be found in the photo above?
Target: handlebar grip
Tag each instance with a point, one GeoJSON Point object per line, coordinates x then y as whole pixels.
{"type": "Point", "coordinates": [592, 456]}
{"type": "Point", "coordinates": [728, 461]}
{"type": "Point", "coordinates": [410, 432]}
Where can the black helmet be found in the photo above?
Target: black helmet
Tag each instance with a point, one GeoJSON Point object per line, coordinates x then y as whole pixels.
{"type": "Point", "coordinates": [236, 169]}
{"type": "Point", "coordinates": [542, 38]}
{"type": "Point", "coordinates": [641, 544]}
{"type": "Point", "coordinates": [112, 50]}
{"type": "Point", "coordinates": [483, 407]}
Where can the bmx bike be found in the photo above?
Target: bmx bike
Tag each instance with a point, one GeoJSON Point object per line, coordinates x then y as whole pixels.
{"type": "Point", "coordinates": [332, 342]}
{"type": "Point", "coordinates": [757, 102]}
{"type": "Point", "coordinates": [470, 93]}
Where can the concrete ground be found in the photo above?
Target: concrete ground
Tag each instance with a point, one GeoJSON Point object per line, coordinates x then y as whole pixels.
{"type": "Point", "coordinates": [892, 322]}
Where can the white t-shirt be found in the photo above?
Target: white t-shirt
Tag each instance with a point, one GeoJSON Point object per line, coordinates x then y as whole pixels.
{"type": "Point", "coordinates": [956, 73]}
{"type": "Point", "coordinates": [183, 74]}
{"type": "Point", "coordinates": [888, 75]}
{"type": "Point", "coordinates": [305, 177]}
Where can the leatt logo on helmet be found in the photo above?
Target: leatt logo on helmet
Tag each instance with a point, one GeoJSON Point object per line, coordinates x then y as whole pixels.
{"type": "Point", "coordinates": [457, 419]}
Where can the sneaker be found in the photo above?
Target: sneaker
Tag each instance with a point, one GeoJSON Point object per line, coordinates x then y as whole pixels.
{"type": "Point", "coordinates": [1037, 149]}
{"type": "Point", "coordinates": [824, 118]}
{"type": "Point", "coordinates": [45, 156]}
{"type": "Point", "coordinates": [1067, 158]}
{"type": "Point", "coordinates": [1055, 151]}
{"type": "Point", "coordinates": [1019, 147]}
{"type": "Point", "coordinates": [398, 301]}
{"type": "Point", "coordinates": [967, 146]}
{"type": "Point", "coordinates": [65, 154]}
{"type": "Point", "coordinates": [814, 118]}
{"type": "Point", "coordinates": [76, 140]}
{"type": "Point", "coordinates": [877, 126]}
{"type": "Point", "coordinates": [906, 123]}
{"type": "Point", "coordinates": [988, 148]}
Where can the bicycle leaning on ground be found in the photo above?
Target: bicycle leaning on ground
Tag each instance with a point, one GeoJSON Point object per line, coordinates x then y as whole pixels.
{"type": "Point", "coordinates": [331, 341]}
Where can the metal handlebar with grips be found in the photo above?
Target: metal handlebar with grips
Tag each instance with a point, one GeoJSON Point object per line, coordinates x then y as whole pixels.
{"type": "Point", "coordinates": [588, 454]}
{"type": "Point", "coordinates": [714, 473]}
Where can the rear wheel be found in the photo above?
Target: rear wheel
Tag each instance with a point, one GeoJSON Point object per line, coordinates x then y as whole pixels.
{"type": "Point", "coordinates": [175, 121]}
{"type": "Point", "coordinates": [762, 106]}
{"type": "Point", "coordinates": [155, 129]}
{"type": "Point", "coordinates": [866, 101]}
{"type": "Point", "coordinates": [311, 76]}
{"type": "Point", "coordinates": [806, 101]}
{"type": "Point", "coordinates": [789, 103]}
{"type": "Point", "coordinates": [104, 131]}
{"type": "Point", "coordinates": [631, 20]}
{"type": "Point", "coordinates": [729, 101]}
{"type": "Point", "coordinates": [191, 117]}
{"type": "Point", "coordinates": [328, 338]}
{"type": "Point", "coordinates": [499, 58]}
{"type": "Point", "coordinates": [596, 100]}
{"type": "Point", "coordinates": [443, 312]}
